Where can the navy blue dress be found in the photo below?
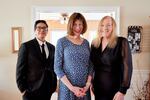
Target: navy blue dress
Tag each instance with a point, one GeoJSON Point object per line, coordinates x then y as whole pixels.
{"type": "Point", "coordinates": [73, 61]}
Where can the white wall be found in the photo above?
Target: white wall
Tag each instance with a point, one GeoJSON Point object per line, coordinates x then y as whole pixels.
{"type": "Point", "coordinates": [18, 13]}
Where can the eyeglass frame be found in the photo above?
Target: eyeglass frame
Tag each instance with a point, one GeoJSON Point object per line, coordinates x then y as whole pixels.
{"type": "Point", "coordinates": [40, 28]}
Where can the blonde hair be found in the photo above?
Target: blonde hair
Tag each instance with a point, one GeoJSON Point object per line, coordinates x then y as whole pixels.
{"type": "Point", "coordinates": [76, 16]}
{"type": "Point", "coordinates": [113, 38]}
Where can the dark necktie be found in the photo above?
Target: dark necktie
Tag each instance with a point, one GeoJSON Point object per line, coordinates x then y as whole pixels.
{"type": "Point", "coordinates": [43, 51]}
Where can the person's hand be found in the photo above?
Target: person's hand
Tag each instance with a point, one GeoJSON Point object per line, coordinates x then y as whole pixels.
{"type": "Point", "coordinates": [86, 88]}
{"type": "Point", "coordinates": [119, 96]}
{"type": "Point", "coordinates": [92, 89]}
{"type": "Point", "coordinates": [78, 91]}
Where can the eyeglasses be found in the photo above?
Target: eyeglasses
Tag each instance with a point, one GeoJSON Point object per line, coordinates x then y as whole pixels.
{"type": "Point", "coordinates": [40, 28]}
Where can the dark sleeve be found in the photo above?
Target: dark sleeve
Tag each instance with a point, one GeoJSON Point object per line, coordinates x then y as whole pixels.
{"type": "Point", "coordinates": [92, 61]}
{"type": "Point", "coordinates": [53, 77]}
{"type": "Point", "coordinates": [92, 54]}
{"type": "Point", "coordinates": [127, 66]}
{"type": "Point", "coordinates": [52, 60]}
{"type": "Point", "coordinates": [21, 68]}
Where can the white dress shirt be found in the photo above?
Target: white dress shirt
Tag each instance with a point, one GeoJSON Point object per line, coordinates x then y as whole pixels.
{"type": "Point", "coordinates": [45, 47]}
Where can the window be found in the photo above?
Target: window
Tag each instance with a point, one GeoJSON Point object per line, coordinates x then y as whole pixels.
{"type": "Point", "coordinates": [90, 13]}
{"type": "Point", "coordinates": [92, 35]}
{"type": "Point", "coordinates": [55, 35]}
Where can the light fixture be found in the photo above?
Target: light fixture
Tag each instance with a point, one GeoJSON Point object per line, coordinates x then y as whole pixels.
{"type": "Point", "coordinates": [64, 18]}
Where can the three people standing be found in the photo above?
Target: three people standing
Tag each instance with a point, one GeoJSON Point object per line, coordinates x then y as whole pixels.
{"type": "Point", "coordinates": [73, 63]}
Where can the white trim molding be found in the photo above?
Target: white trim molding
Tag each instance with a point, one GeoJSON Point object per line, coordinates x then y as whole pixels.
{"type": "Point", "coordinates": [36, 10]}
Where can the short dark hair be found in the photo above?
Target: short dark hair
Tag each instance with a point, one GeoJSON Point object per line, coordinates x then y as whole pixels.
{"type": "Point", "coordinates": [76, 16]}
{"type": "Point", "coordinates": [40, 21]}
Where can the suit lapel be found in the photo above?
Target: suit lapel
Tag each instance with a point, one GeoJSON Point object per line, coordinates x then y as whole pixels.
{"type": "Point", "coordinates": [39, 54]}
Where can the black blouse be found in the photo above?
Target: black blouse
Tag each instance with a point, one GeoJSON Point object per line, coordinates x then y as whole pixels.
{"type": "Point", "coordinates": [117, 60]}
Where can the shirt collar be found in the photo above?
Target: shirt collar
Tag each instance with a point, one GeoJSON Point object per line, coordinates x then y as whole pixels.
{"type": "Point", "coordinates": [40, 42]}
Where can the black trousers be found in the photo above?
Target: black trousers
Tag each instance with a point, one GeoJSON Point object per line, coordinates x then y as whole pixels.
{"type": "Point", "coordinates": [28, 96]}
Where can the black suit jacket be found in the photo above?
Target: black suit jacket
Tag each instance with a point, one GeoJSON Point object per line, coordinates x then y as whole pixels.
{"type": "Point", "coordinates": [33, 74]}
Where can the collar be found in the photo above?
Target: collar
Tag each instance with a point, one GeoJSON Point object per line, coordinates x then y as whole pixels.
{"type": "Point", "coordinates": [40, 42]}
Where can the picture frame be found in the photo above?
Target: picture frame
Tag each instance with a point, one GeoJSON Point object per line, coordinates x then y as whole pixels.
{"type": "Point", "coordinates": [16, 38]}
{"type": "Point", "coordinates": [134, 38]}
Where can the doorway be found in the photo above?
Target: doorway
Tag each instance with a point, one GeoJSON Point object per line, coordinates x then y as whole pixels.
{"type": "Point", "coordinates": [57, 18]}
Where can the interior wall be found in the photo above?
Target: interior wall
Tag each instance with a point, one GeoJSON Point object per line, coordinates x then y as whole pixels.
{"type": "Point", "coordinates": [18, 13]}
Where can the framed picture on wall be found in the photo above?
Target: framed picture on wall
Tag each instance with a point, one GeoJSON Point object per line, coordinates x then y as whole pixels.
{"type": "Point", "coordinates": [134, 38]}
{"type": "Point", "coordinates": [16, 33]}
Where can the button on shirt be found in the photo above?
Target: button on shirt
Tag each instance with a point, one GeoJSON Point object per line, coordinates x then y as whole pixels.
{"type": "Point", "coordinates": [45, 47]}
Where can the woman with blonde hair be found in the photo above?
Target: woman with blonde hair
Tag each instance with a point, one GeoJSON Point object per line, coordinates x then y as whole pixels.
{"type": "Point", "coordinates": [112, 62]}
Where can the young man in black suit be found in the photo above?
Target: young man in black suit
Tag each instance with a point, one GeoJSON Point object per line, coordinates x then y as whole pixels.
{"type": "Point", "coordinates": [35, 73]}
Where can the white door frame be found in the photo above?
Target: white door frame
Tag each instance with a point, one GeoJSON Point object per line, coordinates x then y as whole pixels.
{"type": "Point", "coordinates": [36, 10]}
